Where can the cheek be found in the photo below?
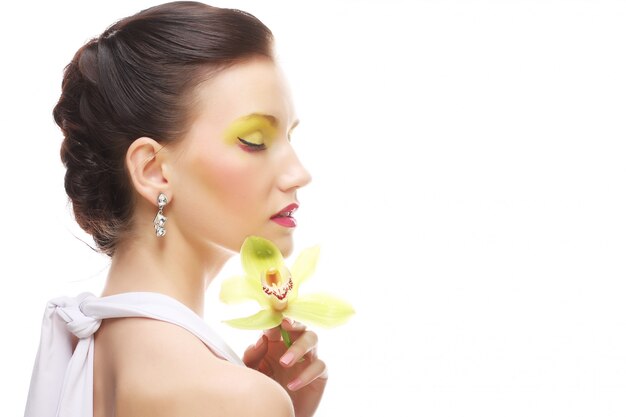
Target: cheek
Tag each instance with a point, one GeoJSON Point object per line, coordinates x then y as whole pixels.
{"type": "Point", "coordinates": [235, 182]}
{"type": "Point", "coordinates": [224, 195]}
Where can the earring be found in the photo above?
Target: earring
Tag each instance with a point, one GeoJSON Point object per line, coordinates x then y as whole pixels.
{"type": "Point", "coordinates": [160, 219]}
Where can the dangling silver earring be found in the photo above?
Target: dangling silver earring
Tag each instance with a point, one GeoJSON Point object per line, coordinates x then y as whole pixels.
{"type": "Point", "coordinates": [160, 219]}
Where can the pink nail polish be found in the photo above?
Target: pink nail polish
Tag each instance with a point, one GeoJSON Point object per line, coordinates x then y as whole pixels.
{"type": "Point", "coordinates": [294, 385]}
{"type": "Point", "coordinates": [287, 358]}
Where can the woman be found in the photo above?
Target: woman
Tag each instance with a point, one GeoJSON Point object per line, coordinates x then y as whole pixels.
{"type": "Point", "coordinates": [177, 126]}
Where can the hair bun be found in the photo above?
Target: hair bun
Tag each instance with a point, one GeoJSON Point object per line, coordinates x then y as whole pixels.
{"type": "Point", "coordinates": [92, 178]}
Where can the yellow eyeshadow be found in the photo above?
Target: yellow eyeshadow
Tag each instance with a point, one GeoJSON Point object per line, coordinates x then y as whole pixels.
{"type": "Point", "coordinates": [253, 129]}
{"type": "Point", "coordinates": [255, 137]}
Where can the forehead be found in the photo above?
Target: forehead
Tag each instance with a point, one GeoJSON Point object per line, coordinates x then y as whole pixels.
{"type": "Point", "coordinates": [255, 86]}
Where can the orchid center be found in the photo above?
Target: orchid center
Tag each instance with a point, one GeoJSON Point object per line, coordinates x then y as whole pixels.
{"type": "Point", "coordinates": [277, 285]}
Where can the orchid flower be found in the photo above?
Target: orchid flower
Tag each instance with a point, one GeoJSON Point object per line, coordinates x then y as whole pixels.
{"type": "Point", "coordinates": [268, 282]}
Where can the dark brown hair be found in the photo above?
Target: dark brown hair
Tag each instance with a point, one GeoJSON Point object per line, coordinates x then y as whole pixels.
{"type": "Point", "coordinates": [135, 80]}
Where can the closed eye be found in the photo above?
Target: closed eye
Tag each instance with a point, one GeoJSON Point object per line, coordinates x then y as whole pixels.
{"type": "Point", "coordinates": [252, 146]}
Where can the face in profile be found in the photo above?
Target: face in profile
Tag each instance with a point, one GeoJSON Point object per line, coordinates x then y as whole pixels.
{"type": "Point", "coordinates": [235, 173]}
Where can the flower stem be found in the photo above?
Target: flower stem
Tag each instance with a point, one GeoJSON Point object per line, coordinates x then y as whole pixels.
{"type": "Point", "coordinates": [286, 338]}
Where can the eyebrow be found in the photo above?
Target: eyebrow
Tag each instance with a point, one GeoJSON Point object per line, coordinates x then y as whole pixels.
{"type": "Point", "coordinates": [271, 119]}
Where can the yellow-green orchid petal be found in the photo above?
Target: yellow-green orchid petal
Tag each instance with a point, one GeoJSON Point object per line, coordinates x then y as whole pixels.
{"type": "Point", "coordinates": [239, 289]}
{"type": "Point", "coordinates": [275, 288]}
{"type": "Point", "coordinates": [258, 255]}
{"type": "Point", "coordinates": [304, 267]}
{"type": "Point", "coordinates": [264, 319]}
{"type": "Point", "coordinates": [319, 309]}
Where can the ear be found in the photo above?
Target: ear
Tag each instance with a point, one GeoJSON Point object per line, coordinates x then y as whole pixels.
{"type": "Point", "coordinates": [147, 164]}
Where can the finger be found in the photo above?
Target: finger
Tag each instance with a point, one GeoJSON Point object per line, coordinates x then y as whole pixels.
{"type": "Point", "coordinates": [315, 371]}
{"type": "Point", "coordinates": [294, 329]}
{"type": "Point", "coordinates": [253, 356]}
{"type": "Point", "coordinates": [265, 368]}
{"type": "Point", "coordinates": [273, 334]}
{"type": "Point", "coordinates": [292, 326]}
{"type": "Point", "coordinates": [305, 343]}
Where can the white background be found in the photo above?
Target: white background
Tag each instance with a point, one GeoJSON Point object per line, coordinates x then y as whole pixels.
{"type": "Point", "coordinates": [469, 196]}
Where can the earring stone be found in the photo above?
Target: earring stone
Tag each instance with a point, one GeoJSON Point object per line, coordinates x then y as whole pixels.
{"type": "Point", "coordinates": [160, 219]}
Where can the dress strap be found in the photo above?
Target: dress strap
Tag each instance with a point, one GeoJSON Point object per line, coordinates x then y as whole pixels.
{"type": "Point", "coordinates": [160, 307]}
{"type": "Point", "coordinates": [62, 380]}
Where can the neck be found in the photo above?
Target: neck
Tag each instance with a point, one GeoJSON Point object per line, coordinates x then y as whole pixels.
{"type": "Point", "coordinates": [165, 265]}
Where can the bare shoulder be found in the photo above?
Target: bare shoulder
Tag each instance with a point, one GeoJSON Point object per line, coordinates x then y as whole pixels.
{"type": "Point", "coordinates": [154, 368]}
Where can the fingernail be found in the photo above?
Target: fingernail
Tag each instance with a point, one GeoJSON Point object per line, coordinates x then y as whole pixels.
{"type": "Point", "coordinates": [295, 384]}
{"type": "Point", "coordinates": [287, 358]}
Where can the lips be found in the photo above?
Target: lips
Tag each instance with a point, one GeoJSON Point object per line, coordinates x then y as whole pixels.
{"type": "Point", "coordinates": [287, 211]}
{"type": "Point", "coordinates": [284, 217]}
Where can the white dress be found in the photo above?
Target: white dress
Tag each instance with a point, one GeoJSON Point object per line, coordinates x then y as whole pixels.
{"type": "Point", "coordinates": [62, 380]}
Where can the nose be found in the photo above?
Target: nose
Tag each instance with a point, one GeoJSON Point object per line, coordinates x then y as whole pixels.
{"type": "Point", "coordinates": [293, 174]}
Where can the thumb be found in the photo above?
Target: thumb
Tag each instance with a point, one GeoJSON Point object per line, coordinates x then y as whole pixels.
{"type": "Point", "coordinates": [253, 356]}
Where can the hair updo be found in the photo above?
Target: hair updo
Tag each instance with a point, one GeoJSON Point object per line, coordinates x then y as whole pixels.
{"type": "Point", "coordinates": [135, 80]}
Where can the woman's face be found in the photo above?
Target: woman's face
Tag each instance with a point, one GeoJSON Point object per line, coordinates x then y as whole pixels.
{"type": "Point", "coordinates": [236, 169]}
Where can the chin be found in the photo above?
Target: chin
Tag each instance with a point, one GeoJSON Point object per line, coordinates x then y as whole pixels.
{"type": "Point", "coordinates": [286, 251]}
{"type": "Point", "coordinates": [284, 244]}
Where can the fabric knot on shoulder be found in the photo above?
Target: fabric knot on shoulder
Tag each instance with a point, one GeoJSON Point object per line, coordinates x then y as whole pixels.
{"type": "Point", "coordinates": [70, 310]}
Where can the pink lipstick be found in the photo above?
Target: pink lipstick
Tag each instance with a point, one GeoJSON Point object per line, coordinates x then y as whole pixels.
{"type": "Point", "coordinates": [285, 216]}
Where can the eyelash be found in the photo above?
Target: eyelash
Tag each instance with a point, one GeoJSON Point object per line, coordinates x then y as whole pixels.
{"type": "Point", "coordinates": [251, 147]}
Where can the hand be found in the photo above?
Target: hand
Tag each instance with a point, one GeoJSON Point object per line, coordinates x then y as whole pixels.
{"type": "Point", "coordinates": [297, 369]}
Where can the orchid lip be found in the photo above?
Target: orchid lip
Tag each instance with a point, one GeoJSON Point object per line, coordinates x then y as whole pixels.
{"type": "Point", "coordinates": [287, 211]}
{"type": "Point", "coordinates": [273, 285]}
